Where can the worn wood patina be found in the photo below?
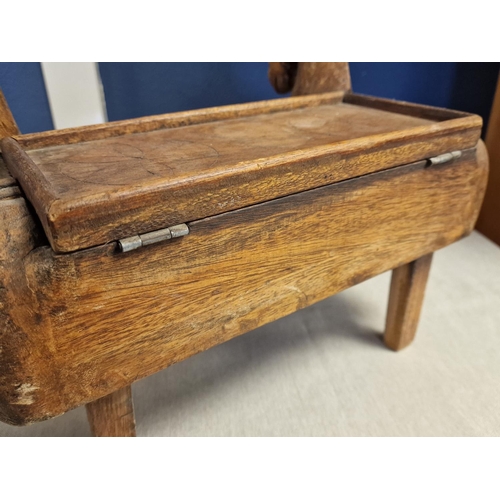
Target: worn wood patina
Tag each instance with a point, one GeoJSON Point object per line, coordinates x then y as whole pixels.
{"type": "Point", "coordinates": [286, 202]}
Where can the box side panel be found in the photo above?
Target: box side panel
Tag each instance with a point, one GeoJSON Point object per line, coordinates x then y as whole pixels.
{"type": "Point", "coordinates": [113, 318]}
{"type": "Point", "coordinates": [28, 383]}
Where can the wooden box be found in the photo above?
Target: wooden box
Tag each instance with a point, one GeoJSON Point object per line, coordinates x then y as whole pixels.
{"type": "Point", "coordinates": [130, 246]}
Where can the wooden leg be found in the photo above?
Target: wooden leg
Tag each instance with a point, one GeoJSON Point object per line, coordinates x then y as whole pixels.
{"type": "Point", "coordinates": [112, 415]}
{"type": "Point", "coordinates": [405, 302]}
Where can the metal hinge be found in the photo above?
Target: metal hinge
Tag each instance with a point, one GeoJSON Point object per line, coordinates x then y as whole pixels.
{"type": "Point", "coordinates": [445, 158]}
{"type": "Point", "coordinates": [142, 240]}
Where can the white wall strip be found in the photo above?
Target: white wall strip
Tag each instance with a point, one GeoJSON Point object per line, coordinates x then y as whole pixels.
{"type": "Point", "coordinates": [75, 93]}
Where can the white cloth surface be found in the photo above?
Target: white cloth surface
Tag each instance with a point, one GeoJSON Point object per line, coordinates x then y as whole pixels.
{"type": "Point", "coordinates": [324, 371]}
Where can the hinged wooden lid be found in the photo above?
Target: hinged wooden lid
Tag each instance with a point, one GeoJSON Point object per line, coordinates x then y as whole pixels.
{"type": "Point", "coordinates": [93, 185]}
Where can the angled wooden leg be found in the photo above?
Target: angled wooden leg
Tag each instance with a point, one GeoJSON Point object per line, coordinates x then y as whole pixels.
{"type": "Point", "coordinates": [112, 415]}
{"type": "Point", "coordinates": [405, 302]}
{"type": "Point", "coordinates": [8, 125]}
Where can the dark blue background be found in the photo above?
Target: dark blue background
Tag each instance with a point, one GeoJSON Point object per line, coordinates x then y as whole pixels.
{"type": "Point", "coordinates": [463, 86]}
{"type": "Point", "coordinates": [139, 89]}
{"type": "Point", "coordinates": [23, 87]}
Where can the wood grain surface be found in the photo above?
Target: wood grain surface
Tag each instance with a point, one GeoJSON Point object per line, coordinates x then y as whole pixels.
{"type": "Point", "coordinates": [95, 192]}
{"type": "Point", "coordinates": [306, 78]}
{"type": "Point", "coordinates": [405, 302]}
{"type": "Point", "coordinates": [318, 77]}
{"type": "Point", "coordinates": [6, 179]}
{"type": "Point", "coordinates": [170, 120]}
{"type": "Point", "coordinates": [19, 351]}
{"type": "Point", "coordinates": [112, 415]}
{"type": "Point", "coordinates": [282, 76]}
{"type": "Point", "coordinates": [407, 108]}
{"type": "Point", "coordinates": [489, 217]}
{"type": "Point", "coordinates": [80, 326]}
{"type": "Point", "coordinates": [8, 125]}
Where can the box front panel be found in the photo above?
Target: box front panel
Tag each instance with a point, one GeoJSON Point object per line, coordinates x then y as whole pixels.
{"type": "Point", "coordinates": [112, 318]}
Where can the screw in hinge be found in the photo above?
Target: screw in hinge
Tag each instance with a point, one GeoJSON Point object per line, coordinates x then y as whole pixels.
{"type": "Point", "coordinates": [142, 240]}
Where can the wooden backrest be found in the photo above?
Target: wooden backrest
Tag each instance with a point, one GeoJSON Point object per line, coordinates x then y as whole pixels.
{"type": "Point", "coordinates": [8, 125]}
{"type": "Point", "coordinates": [309, 77]}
